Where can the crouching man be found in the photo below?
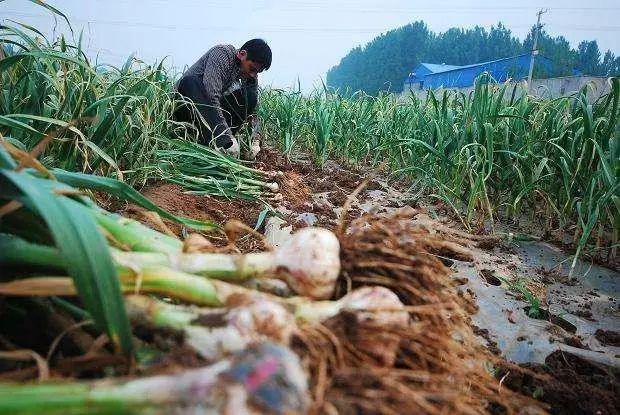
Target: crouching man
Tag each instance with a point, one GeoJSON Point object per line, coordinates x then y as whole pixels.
{"type": "Point", "coordinates": [223, 84]}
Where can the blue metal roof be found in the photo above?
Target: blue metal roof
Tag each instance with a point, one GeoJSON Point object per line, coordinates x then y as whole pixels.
{"type": "Point", "coordinates": [435, 68]}
{"type": "Point", "coordinates": [511, 58]}
{"type": "Point", "coordinates": [433, 76]}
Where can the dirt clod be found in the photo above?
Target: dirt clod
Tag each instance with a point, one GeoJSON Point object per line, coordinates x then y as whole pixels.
{"type": "Point", "coordinates": [571, 386]}
{"type": "Point", "coordinates": [608, 337]}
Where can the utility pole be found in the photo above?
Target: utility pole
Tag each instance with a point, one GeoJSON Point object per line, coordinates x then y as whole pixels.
{"type": "Point", "coordinates": [535, 47]}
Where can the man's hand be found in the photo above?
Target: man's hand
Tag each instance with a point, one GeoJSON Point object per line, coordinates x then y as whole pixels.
{"type": "Point", "coordinates": [233, 150]}
{"type": "Point", "coordinates": [227, 144]}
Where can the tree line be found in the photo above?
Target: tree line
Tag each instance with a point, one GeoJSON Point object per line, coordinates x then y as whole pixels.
{"type": "Point", "coordinates": [383, 63]}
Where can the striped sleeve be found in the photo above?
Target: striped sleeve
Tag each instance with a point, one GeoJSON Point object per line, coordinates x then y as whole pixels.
{"type": "Point", "coordinates": [218, 67]}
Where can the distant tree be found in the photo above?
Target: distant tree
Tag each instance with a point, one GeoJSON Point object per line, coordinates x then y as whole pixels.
{"type": "Point", "coordinates": [589, 59]}
{"type": "Point", "coordinates": [380, 64]}
{"type": "Point", "coordinates": [610, 65]}
{"type": "Point", "coordinates": [501, 43]}
{"type": "Point", "coordinates": [384, 62]}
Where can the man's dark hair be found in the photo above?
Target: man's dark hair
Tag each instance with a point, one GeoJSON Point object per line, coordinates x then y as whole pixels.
{"type": "Point", "coordinates": [258, 51]}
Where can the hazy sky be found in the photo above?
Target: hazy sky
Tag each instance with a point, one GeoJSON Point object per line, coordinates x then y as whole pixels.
{"type": "Point", "coordinates": [307, 37]}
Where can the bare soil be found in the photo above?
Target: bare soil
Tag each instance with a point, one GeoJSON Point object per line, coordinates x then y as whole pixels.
{"type": "Point", "coordinates": [300, 181]}
{"type": "Point", "coordinates": [174, 199]}
{"type": "Point", "coordinates": [570, 385]}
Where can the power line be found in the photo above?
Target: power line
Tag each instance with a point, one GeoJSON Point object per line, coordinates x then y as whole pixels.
{"type": "Point", "coordinates": [353, 5]}
{"type": "Point", "coordinates": [442, 10]}
{"type": "Point", "coordinates": [354, 9]}
{"type": "Point", "coordinates": [287, 29]}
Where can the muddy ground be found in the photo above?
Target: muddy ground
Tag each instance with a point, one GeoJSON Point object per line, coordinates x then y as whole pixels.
{"type": "Point", "coordinates": [571, 338]}
{"type": "Point", "coordinates": [300, 183]}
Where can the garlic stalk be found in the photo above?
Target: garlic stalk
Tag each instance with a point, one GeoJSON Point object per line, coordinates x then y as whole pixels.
{"type": "Point", "coordinates": [309, 262]}
{"type": "Point", "coordinates": [264, 378]}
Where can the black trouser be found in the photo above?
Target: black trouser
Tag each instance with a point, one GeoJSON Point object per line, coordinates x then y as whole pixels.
{"type": "Point", "coordinates": [236, 107]}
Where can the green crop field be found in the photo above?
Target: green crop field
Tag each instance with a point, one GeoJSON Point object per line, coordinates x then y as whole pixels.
{"type": "Point", "coordinates": [495, 153]}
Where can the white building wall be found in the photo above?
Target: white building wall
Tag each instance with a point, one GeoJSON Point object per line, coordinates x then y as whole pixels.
{"type": "Point", "coordinates": [544, 88]}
